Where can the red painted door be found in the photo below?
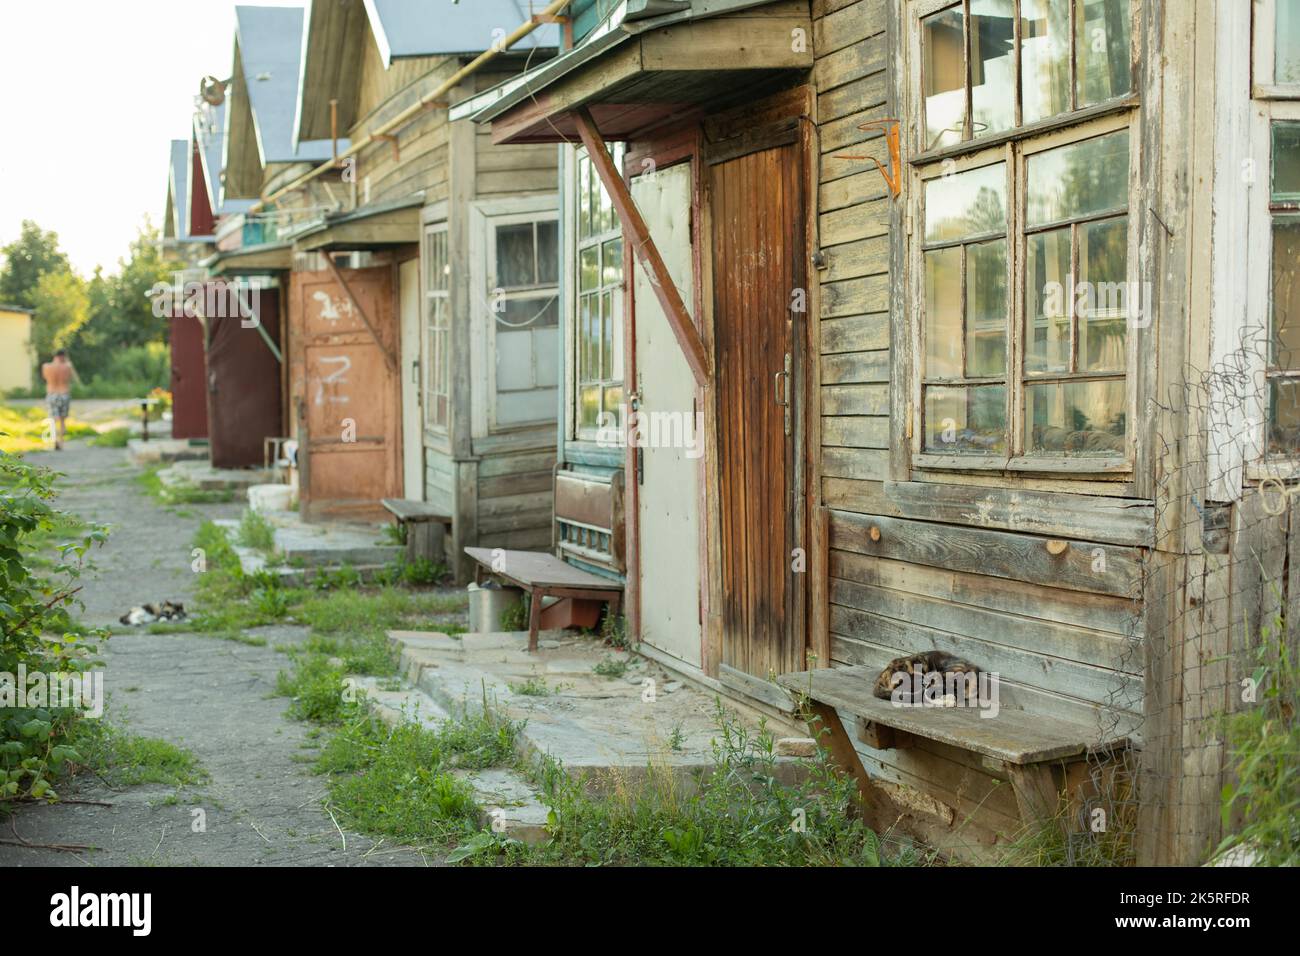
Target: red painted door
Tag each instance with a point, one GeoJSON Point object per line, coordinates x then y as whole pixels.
{"type": "Point", "coordinates": [243, 377]}
{"type": "Point", "coordinates": [188, 379]}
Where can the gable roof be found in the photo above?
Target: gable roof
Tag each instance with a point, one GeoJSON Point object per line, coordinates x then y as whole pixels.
{"type": "Point", "coordinates": [209, 135]}
{"type": "Point", "coordinates": [406, 28]}
{"type": "Point", "coordinates": [268, 49]}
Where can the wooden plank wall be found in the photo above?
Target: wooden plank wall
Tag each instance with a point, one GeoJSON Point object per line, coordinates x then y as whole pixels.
{"type": "Point", "coordinates": [915, 565]}
{"type": "Point", "coordinates": [516, 487]}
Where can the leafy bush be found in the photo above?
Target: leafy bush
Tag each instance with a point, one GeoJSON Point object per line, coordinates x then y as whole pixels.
{"type": "Point", "coordinates": [36, 630]}
{"type": "Point", "coordinates": [132, 372]}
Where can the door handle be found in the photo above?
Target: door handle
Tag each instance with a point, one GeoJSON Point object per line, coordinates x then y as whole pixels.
{"type": "Point", "coordinates": [781, 390]}
{"type": "Point", "coordinates": [415, 372]}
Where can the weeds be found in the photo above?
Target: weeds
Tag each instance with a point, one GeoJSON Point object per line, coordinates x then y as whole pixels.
{"type": "Point", "coordinates": [256, 532]}
{"type": "Point", "coordinates": [128, 760]}
{"type": "Point", "coordinates": [611, 666]}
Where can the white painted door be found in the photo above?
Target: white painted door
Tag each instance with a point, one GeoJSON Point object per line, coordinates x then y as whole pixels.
{"type": "Point", "coordinates": [412, 434]}
{"type": "Point", "coordinates": [668, 498]}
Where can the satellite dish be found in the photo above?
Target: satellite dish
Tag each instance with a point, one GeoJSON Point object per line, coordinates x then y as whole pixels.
{"type": "Point", "coordinates": [212, 90]}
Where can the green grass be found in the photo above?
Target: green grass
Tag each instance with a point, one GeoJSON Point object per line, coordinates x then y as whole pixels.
{"type": "Point", "coordinates": [611, 667]}
{"type": "Point", "coordinates": [127, 760]}
{"type": "Point", "coordinates": [256, 532]}
{"type": "Point", "coordinates": [112, 438]}
{"type": "Point", "coordinates": [398, 782]}
{"type": "Point", "coordinates": [180, 495]}
{"type": "Point", "coordinates": [27, 429]}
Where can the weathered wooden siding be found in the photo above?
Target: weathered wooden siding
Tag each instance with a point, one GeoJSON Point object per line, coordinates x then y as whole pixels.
{"type": "Point", "coordinates": [515, 496]}
{"type": "Point", "coordinates": [939, 562]}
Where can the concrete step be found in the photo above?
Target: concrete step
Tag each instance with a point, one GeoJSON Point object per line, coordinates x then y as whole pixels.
{"type": "Point", "coordinates": [508, 803]}
{"type": "Point", "coordinates": [201, 475]}
{"type": "Point", "coordinates": [164, 449]}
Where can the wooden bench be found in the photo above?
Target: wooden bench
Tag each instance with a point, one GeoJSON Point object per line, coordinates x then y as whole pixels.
{"type": "Point", "coordinates": [426, 528]}
{"type": "Point", "coordinates": [542, 576]}
{"type": "Point", "coordinates": [1022, 745]}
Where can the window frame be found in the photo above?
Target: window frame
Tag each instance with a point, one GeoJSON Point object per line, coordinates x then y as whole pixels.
{"type": "Point", "coordinates": [428, 294]}
{"type": "Point", "coordinates": [576, 243]}
{"type": "Point", "coordinates": [486, 216]}
{"type": "Point", "coordinates": [1015, 154]}
{"type": "Point", "coordinates": [923, 9]}
{"type": "Point", "coordinates": [1263, 84]}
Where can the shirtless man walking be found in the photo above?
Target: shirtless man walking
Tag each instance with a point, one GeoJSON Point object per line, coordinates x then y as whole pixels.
{"type": "Point", "coordinates": [59, 375]}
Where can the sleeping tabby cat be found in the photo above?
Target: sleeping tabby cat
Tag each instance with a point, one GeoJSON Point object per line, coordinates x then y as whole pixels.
{"type": "Point", "coordinates": [906, 672]}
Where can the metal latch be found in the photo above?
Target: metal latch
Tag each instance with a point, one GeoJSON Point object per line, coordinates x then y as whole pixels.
{"type": "Point", "coordinates": [780, 395]}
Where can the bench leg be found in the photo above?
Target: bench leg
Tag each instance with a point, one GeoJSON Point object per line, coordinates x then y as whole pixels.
{"type": "Point", "coordinates": [1036, 793]}
{"type": "Point", "coordinates": [534, 619]}
{"type": "Point", "coordinates": [829, 733]}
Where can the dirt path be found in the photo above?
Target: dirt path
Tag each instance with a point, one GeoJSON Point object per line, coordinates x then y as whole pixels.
{"type": "Point", "coordinates": [261, 803]}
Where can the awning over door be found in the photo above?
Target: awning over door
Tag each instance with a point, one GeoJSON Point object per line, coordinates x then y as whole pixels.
{"type": "Point", "coordinates": [370, 227]}
{"type": "Point", "coordinates": [252, 260]}
{"type": "Point", "coordinates": [631, 74]}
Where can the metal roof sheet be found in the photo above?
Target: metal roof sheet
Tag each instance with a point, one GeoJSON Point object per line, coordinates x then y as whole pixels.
{"type": "Point", "coordinates": [405, 28]}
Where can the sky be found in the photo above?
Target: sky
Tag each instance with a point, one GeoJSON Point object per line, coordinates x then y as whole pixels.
{"type": "Point", "coordinates": [91, 94]}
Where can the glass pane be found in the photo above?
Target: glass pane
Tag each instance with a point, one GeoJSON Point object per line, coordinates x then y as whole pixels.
{"type": "Point", "coordinates": [589, 268]}
{"type": "Point", "coordinates": [1104, 309]}
{"type": "Point", "coordinates": [943, 65]}
{"type": "Point", "coordinates": [588, 406]}
{"type": "Point", "coordinates": [436, 277]}
{"type": "Point", "coordinates": [584, 196]}
{"type": "Point", "coordinates": [1049, 298]}
{"type": "Point", "coordinates": [615, 344]}
{"type": "Point", "coordinates": [1286, 162]}
{"type": "Point", "coordinates": [1103, 53]}
{"type": "Point", "coordinates": [613, 401]}
{"type": "Point", "coordinates": [1286, 42]}
{"type": "Point", "coordinates": [1080, 179]}
{"type": "Point", "coordinates": [986, 309]}
{"type": "Point", "coordinates": [992, 65]}
{"type": "Point", "coordinates": [943, 313]}
{"type": "Point", "coordinates": [966, 421]}
{"type": "Point", "coordinates": [548, 252]}
{"type": "Point", "coordinates": [515, 264]}
{"type": "Point", "coordinates": [1283, 417]}
{"type": "Point", "coordinates": [586, 349]}
{"type": "Point", "coordinates": [1286, 292]}
{"type": "Point", "coordinates": [529, 313]}
{"type": "Point", "coordinates": [966, 204]}
{"type": "Point", "coordinates": [1075, 418]}
{"type": "Point", "coordinates": [612, 262]}
{"type": "Point", "coordinates": [606, 317]}
{"type": "Point", "coordinates": [1044, 58]}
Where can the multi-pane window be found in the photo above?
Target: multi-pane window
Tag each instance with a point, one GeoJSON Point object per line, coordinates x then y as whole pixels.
{"type": "Point", "coordinates": [965, 275]}
{"type": "Point", "coordinates": [599, 326]}
{"type": "Point", "coordinates": [989, 66]}
{"type": "Point", "coordinates": [1284, 359]}
{"type": "Point", "coordinates": [524, 253]}
{"type": "Point", "coordinates": [437, 321]}
{"type": "Point", "coordinates": [1057, 389]}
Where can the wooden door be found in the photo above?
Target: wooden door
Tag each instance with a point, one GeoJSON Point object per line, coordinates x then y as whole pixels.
{"type": "Point", "coordinates": [189, 380]}
{"type": "Point", "coordinates": [346, 391]}
{"type": "Point", "coordinates": [243, 337]}
{"type": "Point", "coordinates": [669, 471]}
{"type": "Point", "coordinates": [756, 204]}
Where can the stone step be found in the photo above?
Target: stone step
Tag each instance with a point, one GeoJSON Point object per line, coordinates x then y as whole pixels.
{"type": "Point", "coordinates": [508, 803]}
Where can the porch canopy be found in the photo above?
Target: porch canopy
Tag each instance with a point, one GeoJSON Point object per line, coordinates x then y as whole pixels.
{"type": "Point", "coordinates": [265, 259]}
{"type": "Point", "coordinates": [650, 61]}
{"type": "Point", "coordinates": [368, 228]}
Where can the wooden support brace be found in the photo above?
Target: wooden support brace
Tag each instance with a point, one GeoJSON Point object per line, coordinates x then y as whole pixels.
{"type": "Point", "coordinates": [397, 150]}
{"type": "Point", "coordinates": [636, 231]}
{"type": "Point", "coordinates": [356, 304]}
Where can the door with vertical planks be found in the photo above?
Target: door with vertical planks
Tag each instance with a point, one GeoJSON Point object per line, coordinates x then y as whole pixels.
{"type": "Point", "coordinates": [344, 376]}
{"type": "Point", "coordinates": [756, 207]}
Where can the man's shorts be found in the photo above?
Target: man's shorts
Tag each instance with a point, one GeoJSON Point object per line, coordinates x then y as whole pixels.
{"type": "Point", "coordinates": [58, 405]}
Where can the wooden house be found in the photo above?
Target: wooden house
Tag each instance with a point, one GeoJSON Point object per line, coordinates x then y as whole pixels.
{"type": "Point", "coordinates": [422, 357]}
{"type": "Point", "coordinates": [17, 356]}
{"type": "Point", "coordinates": [968, 297]}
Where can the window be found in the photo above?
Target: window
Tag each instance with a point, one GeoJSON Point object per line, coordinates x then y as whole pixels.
{"type": "Point", "coordinates": [437, 322]}
{"type": "Point", "coordinates": [1284, 307]}
{"type": "Point", "coordinates": [523, 267]}
{"type": "Point", "coordinates": [1042, 376]}
{"type": "Point", "coordinates": [991, 66]}
{"type": "Point", "coordinates": [599, 284]}
{"type": "Point", "coordinates": [1277, 48]}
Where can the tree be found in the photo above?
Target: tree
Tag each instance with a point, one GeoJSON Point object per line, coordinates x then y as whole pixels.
{"type": "Point", "coordinates": [62, 308]}
{"type": "Point", "coordinates": [33, 254]}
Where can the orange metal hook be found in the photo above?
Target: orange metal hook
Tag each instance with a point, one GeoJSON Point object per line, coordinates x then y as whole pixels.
{"type": "Point", "coordinates": [893, 176]}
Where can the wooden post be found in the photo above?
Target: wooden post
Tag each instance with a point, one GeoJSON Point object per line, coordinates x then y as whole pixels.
{"type": "Point", "coordinates": [638, 234]}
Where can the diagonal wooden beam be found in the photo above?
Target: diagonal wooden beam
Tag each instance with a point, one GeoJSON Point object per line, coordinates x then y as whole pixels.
{"type": "Point", "coordinates": [356, 304]}
{"type": "Point", "coordinates": [636, 231]}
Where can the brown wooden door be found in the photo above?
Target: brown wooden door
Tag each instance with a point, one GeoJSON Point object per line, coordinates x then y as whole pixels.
{"type": "Point", "coordinates": [756, 204]}
{"type": "Point", "coordinates": [345, 391]}
{"type": "Point", "coordinates": [243, 374]}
